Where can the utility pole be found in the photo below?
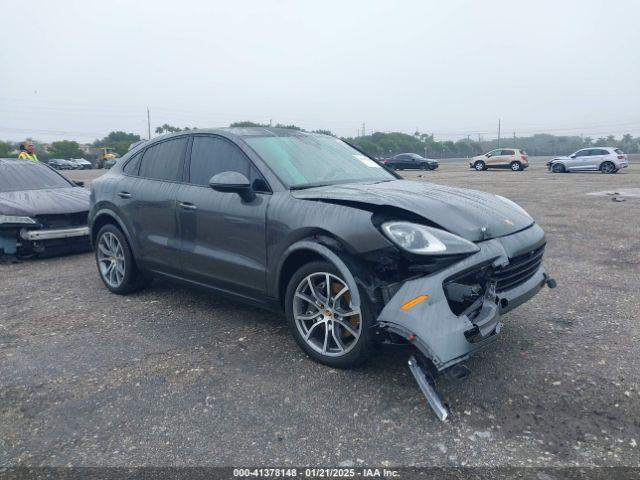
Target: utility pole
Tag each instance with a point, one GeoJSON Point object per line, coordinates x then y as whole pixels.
{"type": "Point", "coordinates": [514, 139]}
{"type": "Point", "coordinates": [148, 123]}
{"type": "Point", "coordinates": [498, 132]}
{"type": "Point", "coordinates": [363, 130]}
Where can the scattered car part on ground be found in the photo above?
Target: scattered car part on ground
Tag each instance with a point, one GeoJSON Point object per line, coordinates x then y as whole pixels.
{"type": "Point", "coordinates": [41, 212]}
{"type": "Point", "coordinates": [512, 158]}
{"type": "Point", "coordinates": [603, 159]}
{"type": "Point", "coordinates": [352, 253]}
{"type": "Point", "coordinates": [411, 161]}
{"type": "Point", "coordinates": [623, 192]}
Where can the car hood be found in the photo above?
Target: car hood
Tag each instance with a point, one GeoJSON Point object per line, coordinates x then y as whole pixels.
{"type": "Point", "coordinates": [470, 214]}
{"type": "Point", "coordinates": [44, 202]}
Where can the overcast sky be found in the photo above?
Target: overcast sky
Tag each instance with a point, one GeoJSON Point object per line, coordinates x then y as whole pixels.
{"type": "Point", "coordinates": [79, 69]}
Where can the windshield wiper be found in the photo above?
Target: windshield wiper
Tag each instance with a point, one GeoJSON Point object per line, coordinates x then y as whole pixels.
{"type": "Point", "coordinates": [308, 185]}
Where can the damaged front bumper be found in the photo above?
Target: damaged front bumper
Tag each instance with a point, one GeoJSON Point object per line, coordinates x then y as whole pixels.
{"type": "Point", "coordinates": [25, 242]}
{"type": "Point", "coordinates": [511, 272]}
{"type": "Point", "coordinates": [459, 308]}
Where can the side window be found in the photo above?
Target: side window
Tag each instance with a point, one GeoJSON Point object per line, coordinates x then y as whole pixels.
{"type": "Point", "coordinates": [604, 152]}
{"type": "Point", "coordinates": [133, 164]}
{"type": "Point", "coordinates": [582, 153]}
{"type": "Point", "coordinates": [162, 161]}
{"type": "Point", "coordinates": [212, 155]}
{"type": "Point", "coordinates": [494, 153]}
{"type": "Point", "coordinates": [508, 152]}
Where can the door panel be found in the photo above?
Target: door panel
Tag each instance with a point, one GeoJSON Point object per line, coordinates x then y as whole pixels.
{"type": "Point", "coordinates": [148, 199]}
{"type": "Point", "coordinates": [495, 158]}
{"type": "Point", "coordinates": [223, 238]}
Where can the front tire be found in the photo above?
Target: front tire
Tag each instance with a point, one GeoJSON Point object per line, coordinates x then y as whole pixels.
{"type": "Point", "coordinates": [557, 168]}
{"type": "Point", "coordinates": [424, 166]}
{"type": "Point", "coordinates": [115, 262]}
{"type": "Point", "coordinates": [322, 320]}
{"type": "Point", "coordinates": [608, 167]}
{"type": "Point", "coordinates": [480, 166]}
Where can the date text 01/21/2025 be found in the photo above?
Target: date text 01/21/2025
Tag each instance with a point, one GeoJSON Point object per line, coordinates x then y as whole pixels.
{"type": "Point", "coordinates": [315, 472]}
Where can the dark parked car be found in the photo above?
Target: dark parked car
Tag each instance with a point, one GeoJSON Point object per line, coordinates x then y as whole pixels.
{"type": "Point", "coordinates": [41, 212]}
{"type": "Point", "coordinates": [62, 164]}
{"type": "Point", "coordinates": [306, 224]}
{"type": "Point", "coordinates": [411, 161]}
{"type": "Point", "coordinates": [81, 163]}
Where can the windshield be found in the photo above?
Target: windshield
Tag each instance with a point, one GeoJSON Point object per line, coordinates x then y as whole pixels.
{"type": "Point", "coordinates": [302, 161]}
{"type": "Point", "coordinates": [27, 175]}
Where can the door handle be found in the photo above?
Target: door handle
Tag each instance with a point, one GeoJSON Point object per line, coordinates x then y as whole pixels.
{"type": "Point", "coordinates": [124, 194]}
{"type": "Point", "coordinates": [187, 206]}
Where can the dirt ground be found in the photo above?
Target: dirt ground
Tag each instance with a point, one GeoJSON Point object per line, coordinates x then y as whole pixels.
{"type": "Point", "coordinates": [173, 376]}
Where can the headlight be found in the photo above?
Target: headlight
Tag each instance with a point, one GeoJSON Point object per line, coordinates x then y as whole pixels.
{"type": "Point", "coordinates": [14, 219]}
{"type": "Point", "coordinates": [514, 205]}
{"type": "Point", "coordinates": [423, 240]}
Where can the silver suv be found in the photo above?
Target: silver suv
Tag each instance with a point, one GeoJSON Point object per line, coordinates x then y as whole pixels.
{"type": "Point", "coordinates": [604, 159]}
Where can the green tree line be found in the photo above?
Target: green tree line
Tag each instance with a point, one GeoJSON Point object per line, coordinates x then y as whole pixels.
{"type": "Point", "coordinates": [378, 144]}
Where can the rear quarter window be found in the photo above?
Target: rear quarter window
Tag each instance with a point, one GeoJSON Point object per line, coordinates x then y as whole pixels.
{"type": "Point", "coordinates": [133, 165]}
{"type": "Point", "coordinates": [619, 152]}
{"type": "Point", "coordinates": [163, 161]}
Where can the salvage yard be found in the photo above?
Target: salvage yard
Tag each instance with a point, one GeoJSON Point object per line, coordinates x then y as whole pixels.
{"type": "Point", "coordinates": [175, 376]}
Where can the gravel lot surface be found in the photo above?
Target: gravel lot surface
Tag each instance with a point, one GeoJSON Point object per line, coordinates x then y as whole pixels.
{"type": "Point", "coordinates": [173, 376]}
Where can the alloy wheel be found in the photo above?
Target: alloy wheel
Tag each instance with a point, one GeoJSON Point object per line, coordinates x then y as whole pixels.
{"type": "Point", "coordinates": [607, 167]}
{"type": "Point", "coordinates": [323, 315]}
{"type": "Point", "coordinates": [111, 259]}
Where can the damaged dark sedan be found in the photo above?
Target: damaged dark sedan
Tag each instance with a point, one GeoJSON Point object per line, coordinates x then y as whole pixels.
{"type": "Point", "coordinates": [41, 212]}
{"type": "Point", "coordinates": [306, 224]}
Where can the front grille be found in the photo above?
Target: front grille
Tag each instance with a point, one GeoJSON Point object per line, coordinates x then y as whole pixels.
{"type": "Point", "coordinates": [63, 220]}
{"type": "Point", "coordinates": [518, 270]}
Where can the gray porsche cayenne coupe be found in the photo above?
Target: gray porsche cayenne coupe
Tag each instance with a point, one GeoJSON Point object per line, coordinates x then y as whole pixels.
{"type": "Point", "coordinates": [309, 225]}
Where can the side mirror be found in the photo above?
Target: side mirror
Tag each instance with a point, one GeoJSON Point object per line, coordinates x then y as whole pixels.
{"type": "Point", "coordinates": [488, 155]}
{"type": "Point", "coordinates": [78, 183]}
{"type": "Point", "coordinates": [232, 182]}
{"type": "Point", "coordinates": [573, 156]}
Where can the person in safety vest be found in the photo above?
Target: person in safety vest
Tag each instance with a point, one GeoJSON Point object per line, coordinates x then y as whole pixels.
{"type": "Point", "coordinates": [28, 151]}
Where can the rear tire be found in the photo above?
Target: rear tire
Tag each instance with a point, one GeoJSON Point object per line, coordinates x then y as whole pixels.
{"type": "Point", "coordinates": [557, 168]}
{"type": "Point", "coordinates": [608, 167]}
{"type": "Point", "coordinates": [516, 166]}
{"type": "Point", "coordinates": [317, 320]}
{"type": "Point", "coordinates": [115, 263]}
{"type": "Point", "coordinates": [480, 166]}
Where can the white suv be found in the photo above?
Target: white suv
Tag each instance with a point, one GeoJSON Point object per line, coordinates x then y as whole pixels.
{"type": "Point", "coordinates": [604, 159]}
